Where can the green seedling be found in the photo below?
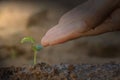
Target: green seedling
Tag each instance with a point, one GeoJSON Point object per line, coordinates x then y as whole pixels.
{"type": "Point", "coordinates": [34, 46]}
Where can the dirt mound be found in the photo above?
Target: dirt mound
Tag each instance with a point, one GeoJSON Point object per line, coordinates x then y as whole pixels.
{"type": "Point", "coordinates": [43, 71]}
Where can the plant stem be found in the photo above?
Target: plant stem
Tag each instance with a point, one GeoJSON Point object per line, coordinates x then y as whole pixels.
{"type": "Point", "coordinates": [35, 57]}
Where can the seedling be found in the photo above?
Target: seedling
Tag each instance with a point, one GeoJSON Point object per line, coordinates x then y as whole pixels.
{"type": "Point", "coordinates": [35, 47]}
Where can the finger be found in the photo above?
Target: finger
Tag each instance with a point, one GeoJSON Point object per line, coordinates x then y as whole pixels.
{"type": "Point", "coordinates": [59, 34]}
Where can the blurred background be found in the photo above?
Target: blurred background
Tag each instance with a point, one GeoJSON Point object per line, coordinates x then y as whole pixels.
{"type": "Point", "coordinates": [34, 18]}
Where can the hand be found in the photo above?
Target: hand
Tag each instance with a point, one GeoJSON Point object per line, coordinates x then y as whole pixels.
{"type": "Point", "coordinates": [91, 18]}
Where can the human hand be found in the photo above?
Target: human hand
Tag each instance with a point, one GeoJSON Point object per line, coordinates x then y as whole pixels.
{"type": "Point", "coordinates": [91, 18]}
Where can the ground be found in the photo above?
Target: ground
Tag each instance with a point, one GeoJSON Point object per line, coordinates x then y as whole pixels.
{"type": "Point", "coordinates": [43, 71]}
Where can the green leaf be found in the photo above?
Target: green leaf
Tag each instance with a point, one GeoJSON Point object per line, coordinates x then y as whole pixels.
{"type": "Point", "coordinates": [28, 39]}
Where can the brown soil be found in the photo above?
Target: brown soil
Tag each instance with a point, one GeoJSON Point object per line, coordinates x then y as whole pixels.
{"type": "Point", "coordinates": [43, 71]}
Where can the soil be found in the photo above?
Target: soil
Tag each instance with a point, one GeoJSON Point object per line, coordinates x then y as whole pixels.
{"type": "Point", "coordinates": [43, 71]}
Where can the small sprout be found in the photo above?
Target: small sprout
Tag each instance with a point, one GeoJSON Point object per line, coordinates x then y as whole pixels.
{"type": "Point", "coordinates": [34, 47]}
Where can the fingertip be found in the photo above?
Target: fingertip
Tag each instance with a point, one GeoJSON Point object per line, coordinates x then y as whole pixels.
{"type": "Point", "coordinates": [44, 42]}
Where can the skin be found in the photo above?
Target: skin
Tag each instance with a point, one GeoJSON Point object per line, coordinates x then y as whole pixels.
{"type": "Point", "coordinates": [91, 18]}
